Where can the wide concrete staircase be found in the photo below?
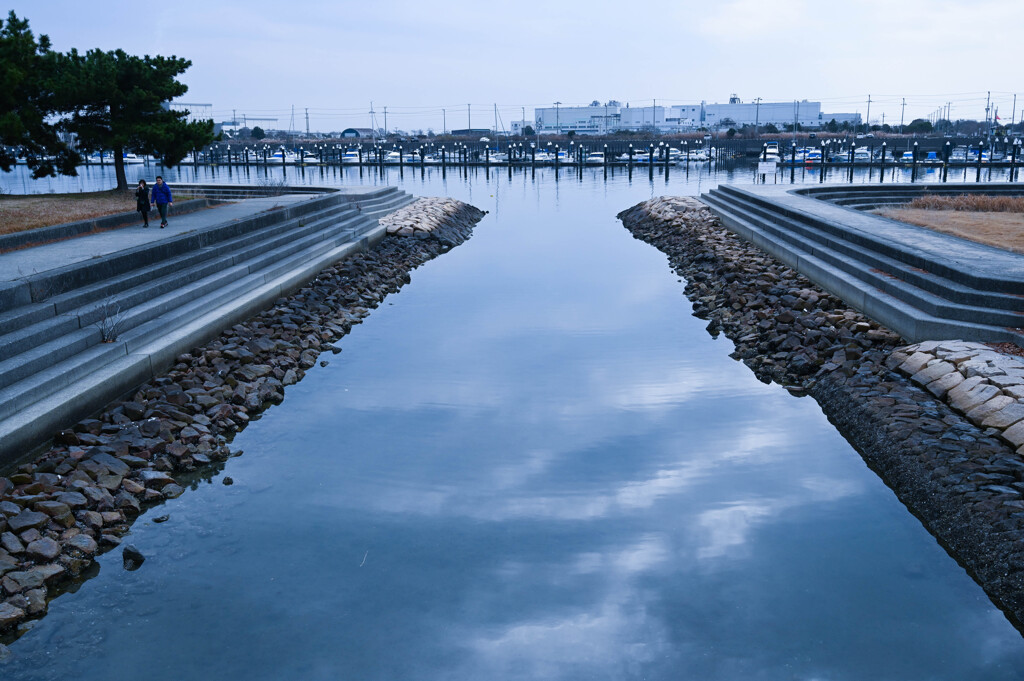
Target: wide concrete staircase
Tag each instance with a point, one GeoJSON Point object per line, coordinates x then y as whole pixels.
{"type": "Point", "coordinates": [921, 295]}
{"type": "Point", "coordinates": [165, 298]}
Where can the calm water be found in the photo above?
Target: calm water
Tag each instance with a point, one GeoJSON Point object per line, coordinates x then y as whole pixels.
{"type": "Point", "coordinates": [533, 463]}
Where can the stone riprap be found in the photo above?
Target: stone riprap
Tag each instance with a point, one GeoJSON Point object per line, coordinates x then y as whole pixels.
{"type": "Point", "coordinates": [79, 497]}
{"type": "Point", "coordinates": [433, 218]}
{"type": "Point", "coordinates": [963, 481]}
{"type": "Point", "coordinates": [979, 382]}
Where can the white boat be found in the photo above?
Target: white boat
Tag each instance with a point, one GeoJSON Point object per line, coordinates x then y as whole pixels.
{"type": "Point", "coordinates": [594, 158]}
{"type": "Point", "coordinates": [498, 157]}
{"type": "Point", "coordinates": [350, 156]}
{"type": "Point", "coordinates": [392, 157]}
{"type": "Point", "coordinates": [812, 156]}
{"type": "Point", "coordinates": [308, 158]}
{"type": "Point", "coordinates": [863, 155]}
{"type": "Point", "coordinates": [279, 157]}
{"type": "Point", "coordinates": [132, 159]}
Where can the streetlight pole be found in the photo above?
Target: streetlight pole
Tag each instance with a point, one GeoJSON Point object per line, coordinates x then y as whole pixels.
{"type": "Point", "coordinates": [558, 125]}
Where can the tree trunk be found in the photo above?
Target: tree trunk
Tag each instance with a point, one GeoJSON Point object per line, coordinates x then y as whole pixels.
{"type": "Point", "coordinates": [122, 180]}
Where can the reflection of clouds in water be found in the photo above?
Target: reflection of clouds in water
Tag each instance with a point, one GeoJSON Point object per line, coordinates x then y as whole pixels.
{"type": "Point", "coordinates": [613, 640]}
{"type": "Point", "coordinates": [757, 443]}
{"type": "Point", "coordinates": [726, 529]}
{"type": "Point", "coordinates": [595, 386]}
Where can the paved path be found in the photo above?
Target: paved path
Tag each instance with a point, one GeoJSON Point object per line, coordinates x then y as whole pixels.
{"type": "Point", "coordinates": [36, 259]}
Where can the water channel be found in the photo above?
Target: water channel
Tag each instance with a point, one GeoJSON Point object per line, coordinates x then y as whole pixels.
{"type": "Point", "coordinates": [533, 463]}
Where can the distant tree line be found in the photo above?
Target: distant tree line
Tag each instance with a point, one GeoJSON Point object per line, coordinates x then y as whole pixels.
{"type": "Point", "coordinates": [109, 100]}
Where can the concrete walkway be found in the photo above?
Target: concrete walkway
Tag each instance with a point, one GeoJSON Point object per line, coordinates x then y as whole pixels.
{"type": "Point", "coordinates": [37, 259]}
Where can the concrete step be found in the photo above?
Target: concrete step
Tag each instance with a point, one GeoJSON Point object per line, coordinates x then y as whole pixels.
{"type": "Point", "coordinates": [46, 285]}
{"type": "Point", "coordinates": [888, 280]}
{"type": "Point", "coordinates": [942, 286]}
{"type": "Point", "coordinates": [51, 352]}
{"type": "Point", "coordinates": [889, 304]}
{"type": "Point", "coordinates": [130, 287]}
{"type": "Point", "coordinates": [31, 410]}
{"type": "Point", "coordinates": [151, 299]}
{"type": "Point", "coordinates": [946, 268]}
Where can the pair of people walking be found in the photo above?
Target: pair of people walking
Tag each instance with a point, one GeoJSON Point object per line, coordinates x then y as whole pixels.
{"type": "Point", "coordinates": [161, 197]}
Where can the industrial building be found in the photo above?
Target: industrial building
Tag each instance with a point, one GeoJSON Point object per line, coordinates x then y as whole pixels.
{"type": "Point", "coordinates": [599, 119]}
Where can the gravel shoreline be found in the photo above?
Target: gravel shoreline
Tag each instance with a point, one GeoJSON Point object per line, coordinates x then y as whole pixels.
{"type": "Point", "coordinates": [78, 498]}
{"type": "Point", "coordinates": [964, 483]}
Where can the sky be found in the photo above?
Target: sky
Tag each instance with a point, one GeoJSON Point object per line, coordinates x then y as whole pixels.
{"type": "Point", "coordinates": [425, 60]}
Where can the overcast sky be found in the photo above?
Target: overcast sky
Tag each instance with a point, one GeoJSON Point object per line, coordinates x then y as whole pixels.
{"type": "Point", "coordinates": [417, 57]}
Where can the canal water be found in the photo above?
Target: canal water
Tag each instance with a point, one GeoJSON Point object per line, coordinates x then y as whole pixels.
{"type": "Point", "coordinates": [533, 463]}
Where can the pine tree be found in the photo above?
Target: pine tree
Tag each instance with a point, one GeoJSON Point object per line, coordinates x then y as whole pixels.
{"type": "Point", "coordinates": [118, 101]}
{"type": "Point", "coordinates": [28, 79]}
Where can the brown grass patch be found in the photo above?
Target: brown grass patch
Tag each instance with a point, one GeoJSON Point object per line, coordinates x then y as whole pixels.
{"type": "Point", "coordinates": [31, 211]}
{"type": "Point", "coordinates": [22, 212]}
{"type": "Point", "coordinates": [1000, 229]}
{"type": "Point", "coordinates": [970, 202]}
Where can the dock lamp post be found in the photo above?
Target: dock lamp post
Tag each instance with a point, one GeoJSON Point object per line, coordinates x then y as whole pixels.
{"type": "Point", "coordinates": [764, 151]}
{"type": "Point", "coordinates": [981, 154]}
{"type": "Point", "coordinates": [605, 157]}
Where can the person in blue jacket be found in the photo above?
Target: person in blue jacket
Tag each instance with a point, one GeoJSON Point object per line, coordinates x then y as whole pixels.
{"type": "Point", "coordinates": [162, 198]}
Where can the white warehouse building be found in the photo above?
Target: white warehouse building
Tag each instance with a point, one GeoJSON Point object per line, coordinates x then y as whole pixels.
{"type": "Point", "coordinates": [595, 120]}
{"type": "Point", "coordinates": [584, 120]}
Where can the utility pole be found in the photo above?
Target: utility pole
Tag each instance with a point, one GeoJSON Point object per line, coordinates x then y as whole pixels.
{"type": "Point", "coordinates": [469, 117]}
{"type": "Point", "coordinates": [868, 121]}
{"type": "Point", "coordinates": [757, 115]}
{"type": "Point", "coordinates": [1013, 116]}
{"type": "Point", "coordinates": [444, 122]}
{"type": "Point", "coordinates": [234, 119]}
{"type": "Point", "coordinates": [988, 99]}
{"type": "Point", "coordinates": [307, 121]}
{"type": "Point", "coordinates": [903, 108]}
{"type": "Point", "coordinates": [558, 125]}
{"type": "Point", "coordinates": [385, 122]}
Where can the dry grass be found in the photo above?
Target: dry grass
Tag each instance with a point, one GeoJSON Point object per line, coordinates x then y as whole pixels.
{"type": "Point", "coordinates": [31, 211]}
{"type": "Point", "coordinates": [970, 202]}
{"type": "Point", "coordinates": [1000, 229]}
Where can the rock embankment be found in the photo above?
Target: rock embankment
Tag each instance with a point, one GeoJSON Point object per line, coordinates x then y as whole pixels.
{"type": "Point", "coordinates": [78, 498]}
{"type": "Point", "coordinates": [963, 480]}
{"type": "Point", "coordinates": [446, 220]}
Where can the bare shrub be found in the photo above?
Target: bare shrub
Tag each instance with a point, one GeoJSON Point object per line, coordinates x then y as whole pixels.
{"type": "Point", "coordinates": [271, 186]}
{"type": "Point", "coordinates": [970, 202]}
{"type": "Point", "coordinates": [110, 321]}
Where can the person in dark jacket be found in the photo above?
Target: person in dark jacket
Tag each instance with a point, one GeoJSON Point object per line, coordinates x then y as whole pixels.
{"type": "Point", "coordinates": [142, 202]}
{"type": "Point", "coordinates": [162, 198]}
